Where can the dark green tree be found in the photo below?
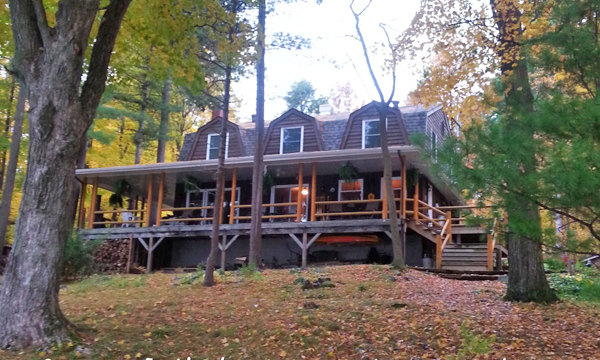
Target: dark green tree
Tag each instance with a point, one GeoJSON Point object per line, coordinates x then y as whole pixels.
{"type": "Point", "coordinates": [302, 98]}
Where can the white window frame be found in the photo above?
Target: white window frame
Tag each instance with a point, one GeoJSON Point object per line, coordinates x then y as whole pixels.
{"type": "Point", "coordinates": [363, 130]}
{"type": "Point", "coordinates": [290, 128]}
{"type": "Point", "coordinates": [362, 189]}
{"type": "Point", "coordinates": [381, 185]}
{"type": "Point", "coordinates": [208, 140]}
{"type": "Point", "coordinates": [308, 200]}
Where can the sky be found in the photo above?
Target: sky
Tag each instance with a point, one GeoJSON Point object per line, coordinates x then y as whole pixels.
{"type": "Point", "coordinates": [334, 57]}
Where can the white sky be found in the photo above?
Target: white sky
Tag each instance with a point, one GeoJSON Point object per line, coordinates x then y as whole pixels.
{"type": "Point", "coordinates": [327, 62]}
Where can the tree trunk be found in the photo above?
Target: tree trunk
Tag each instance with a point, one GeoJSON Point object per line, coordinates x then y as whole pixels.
{"type": "Point", "coordinates": [13, 160]}
{"type": "Point", "coordinates": [398, 261]}
{"type": "Point", "coordinates": [258, 167]}
{"type": "Point", "coordinates": [11, 98]}
{"type": "Point", "coordinates": [165, 111]}
{"type": "Point", "coordinates": [211, 262]}
{"type": "Point", "coordinates": [139, 135]}
{"type": "Point", "coordinates": [49, 62]}
{"type": "Point", "coordinates": [526, 276]}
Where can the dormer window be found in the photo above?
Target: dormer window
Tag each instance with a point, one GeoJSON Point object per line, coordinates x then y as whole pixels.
{"type": "Point", "coordinates": [212, 146]}
{"type": "Point", "coordinates": [292, 140]}
{"type": "Point", "coordinates": [371, 136]}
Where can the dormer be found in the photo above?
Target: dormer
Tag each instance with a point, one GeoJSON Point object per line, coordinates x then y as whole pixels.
{"type": "Point", "coordinates": [363, 129]}
{"type": "Point", "coordinates": [293, 132]}
{"type": "Point", "coordinates": [207, 141]}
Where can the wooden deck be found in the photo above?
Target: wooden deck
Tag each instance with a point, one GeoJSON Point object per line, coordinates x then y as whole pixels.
{"type": "Point", "coordinates": [268, 228]}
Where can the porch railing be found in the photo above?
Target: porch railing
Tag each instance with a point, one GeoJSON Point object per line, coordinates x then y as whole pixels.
{"type": "Point", "coordinates": [268, 216]}
{"type": "Point", "coordinates": [137, 220]}
{"type": "Point", "coordinates": [323, 209]}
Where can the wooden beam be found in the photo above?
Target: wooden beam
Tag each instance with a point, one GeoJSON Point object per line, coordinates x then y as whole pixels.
{"type": "Point", "coordinates": [313, 194]}
{"type": "Point", "coordinates": [161, 189]}
{"type": "Point", "coordinates": [304, 250]}
{"type": "Point", "coordinates": [150, 251]}
{"type": "Point", "coordinates": [222, 198]}
{"type": "Point", "coordinates": [129, 254]}
{"type": "Point", "coordinates": [403, 192]}
{"type": "Point", "coordinates": [223, 249]}
{"type": "Point", "coordinates": [384, 206]}
{"type": "Point", "coordinates": [438, 251]}
{"type": "Point", "coordinates": [233, 196]}
{"type": "Point", "coordinates": [490, 252]}
{"type": "Point", "coordinates": [81, 217]}
{"type": "Point", "coordinates": [295, 238]}
{"type": "Point", "coordinates": [149, 203]}
{"type": "Point", "coordinates": [300, 184]}
{"type": "Point", "coordinates": [93, 204]}
{"type": "Point", "coordinates": [449, 228]}
{"type": "Point", "coordinates": [314, 238]}
{"type": "Point", "coordinates": [143, 243]}
{"type": "Point", "coordinates": [416, 201]}
{"type": "Point", "coordinates": [141, 208]}
{"type": "Point", "coordinates": [158, 243]}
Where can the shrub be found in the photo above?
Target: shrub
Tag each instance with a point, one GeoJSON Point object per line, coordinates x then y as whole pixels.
{"type": "Point", "coordinates": [555, 264]}
{"type": "Point", "coordinates": [79, 257]}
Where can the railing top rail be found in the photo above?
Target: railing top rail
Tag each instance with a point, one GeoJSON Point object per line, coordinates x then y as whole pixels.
{"type": "Point", "coordinates": [332, 202]}
{"type": "Point", "coordinates": [464, 207]}
{"type": "Point", "coordinates": [117, 211]}
{"type": "Point", "coordinates": [248, 206]}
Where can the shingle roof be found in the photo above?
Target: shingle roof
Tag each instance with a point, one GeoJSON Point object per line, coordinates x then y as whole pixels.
{"type": "Point", "coordinates": [332, 129]}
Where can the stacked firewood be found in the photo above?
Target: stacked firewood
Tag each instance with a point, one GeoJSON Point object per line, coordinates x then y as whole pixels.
{"type": "Point", "coordinates": [112, 256]}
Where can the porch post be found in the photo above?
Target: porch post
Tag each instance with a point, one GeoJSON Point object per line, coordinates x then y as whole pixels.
{"type": "Point", "coordinates": [403, 192]}
{"type": "Point", "coordinates": [80, 218]}
{"type": "Point", "coordinates": [304, 250]}
{"type": "Point", "coordinates": [223, 249]}
{"type": "Point", "coordinates": [299, 201]}
{"type": "Point", "coordinates": [490, 252]}
{"type": "Point", "coordinates": [233, 198]}
{"type": "Point", "coordinates": [161, 189]}
{"type": "Point", "coordinates": [150, 251]}
{"type": "Point", "coordinates": [313, 194]}
{"type": "Point", "coordinates": [222, 197]}
{"type": "Point", "coordinates": [416, 202]}
{"type": "Point", "coordinates": [438, 251]}
{"type": "Point", "coordinates": [384, 205]}
{"type": "Point", "coordinates": [449, 228]}
{"type": "Point", "coordinates": [149, 202]}
{"type": "Point", "coordinates": [93, 204]}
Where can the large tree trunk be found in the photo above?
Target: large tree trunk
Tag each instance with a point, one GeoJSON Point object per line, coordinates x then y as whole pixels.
{"type": "Point", "coordinates": [258, 167]}
{"type": "Point", "coordinates": [11, 98]}
{"type": "Point", "coordinates": [526, 277]}
{"type": "Point", "coordinates": [397, 247]}
{"type": "Point", "coordinates": [49, 62]}
{"type": "Point", "coordinates": [13, 160]}
{"type": "Point", "coordinates": [211, 262]}
{"type": "Point", "coordinates": [165, 111]}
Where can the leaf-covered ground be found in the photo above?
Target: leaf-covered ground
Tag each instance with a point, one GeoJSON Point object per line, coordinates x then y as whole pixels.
{"type": "Point", "coordinates": [371, 313]}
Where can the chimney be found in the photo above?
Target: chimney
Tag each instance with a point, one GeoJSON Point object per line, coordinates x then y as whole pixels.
{"type": "Point", "coordinates": [325, 109]}
{"type": "Point", "coordinates": [396, 103]}
{"type": "Point", "coordinates": [217, 113]}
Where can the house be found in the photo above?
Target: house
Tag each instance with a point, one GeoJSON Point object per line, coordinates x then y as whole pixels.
{"type": "Point", "coordinates": [311, 214]}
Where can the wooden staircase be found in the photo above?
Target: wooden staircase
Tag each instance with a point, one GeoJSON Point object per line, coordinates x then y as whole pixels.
{"type": "Point", "coordinates": [466, 257]}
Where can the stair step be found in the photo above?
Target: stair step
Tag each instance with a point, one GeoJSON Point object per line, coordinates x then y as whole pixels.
{"type": "Point", "coordinates": [465, 268]}
{"type": "Point", "coordinates": [466, 246]}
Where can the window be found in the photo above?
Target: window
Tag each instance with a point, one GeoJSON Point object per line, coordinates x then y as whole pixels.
{"type": "Point", "coordinates": [292, 139]}
{"type": "Point", "coordinates": [212, 146]}
{"type": "Point", "coordinates": [396, 185]}
{"type": "Point", "coordinates": [350, 190]}
{"type": "Point", "coordinates": [371, 134]}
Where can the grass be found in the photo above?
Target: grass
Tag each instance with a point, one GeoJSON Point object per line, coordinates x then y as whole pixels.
{"type": "Point", "coordinates": [265, 316]}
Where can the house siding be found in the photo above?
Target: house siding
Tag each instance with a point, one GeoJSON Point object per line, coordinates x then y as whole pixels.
{"type": "Point", "coordinates": [396, 133]}
{"type": "Point", "coordinates": [311, 136]}
{"type": "Point", "coordinates": [437, 124]}
{"type": "Point", "coordinates": [198, 151]}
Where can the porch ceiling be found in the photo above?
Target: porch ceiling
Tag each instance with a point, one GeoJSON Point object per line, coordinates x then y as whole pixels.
{"type": "Point", "coordinates": [328, 162]}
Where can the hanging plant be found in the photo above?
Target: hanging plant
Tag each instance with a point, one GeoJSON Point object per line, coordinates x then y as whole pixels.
{"type": "Point", "coordinates": [121, 187]}
{"type": "Point", "coordinates": [115, 200]}
{"type": "Point", "coordinates": [348, 173]}
{"type": "Point", "coordinates": [268, 181]}
{"type": "Point", "coordinates": [412, 177]}
{"type": "Point", "coordinates": [190, 184]}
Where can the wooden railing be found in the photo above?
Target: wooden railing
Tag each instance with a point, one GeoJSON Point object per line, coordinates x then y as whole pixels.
{"type": "Point", "coordinates": [320, 213]}
{"type": "Point", "coordinates": [270, 216]}
{"type": "Point", "coordinates": [139, 220]}
{"type": "Point", "coordinates": [182, 218]}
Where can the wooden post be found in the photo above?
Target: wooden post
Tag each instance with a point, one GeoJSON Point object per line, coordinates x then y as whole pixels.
{"type": "Point", "coordinates": [416, 202]}
{"type": "Point", "coordinates": [222, 199]}
{"type": "Point", "coordinates": [161, 190]}
{"type": "Point", "coordinates": [129, 254]}
{"type": "Point", "coordinates": [150, 246]}
{"type": "Point", "coordinates": [313, 194]}
{"type": "Point", "coordinates": [81, 217]}
{"type": "Point", "coordinates": [304, 251]}
{"type": "Point", "coordinates": [142, 214]}
{"type": "Point", "coordinates": [403, 192]}
{"type": "Point", "coordinates": [233, 198]}
{"type": "Point", "coordinates": [384, 206]}
{"type": "Point", "coordinates": [149, 203]}
{"type": "Point", "coordinates": [449, 227]}
{"type": "Point", "coordinates": [299, 203]}
{"type": "Point", "coordinates": [438, 251]}
{"type": "Point", "coordinates": [223, 258]}
{"type": "Point", "coordinates": [93, 204]}
{"type": "Point", "coordinates": [490, 252]}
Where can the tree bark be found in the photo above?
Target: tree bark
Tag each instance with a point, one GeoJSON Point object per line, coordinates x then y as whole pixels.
{"type": "Point", "coordinates": [165, 111]}
{"type": "Point", "coordinates": [258, 167]}
{"type": "Point", "coordinates": [11, 98]}
{"type": "Point", "coordinates": [526, 276]}
{"type": "Point", "coordinates": [49, 62]}
{"type": "Point", "coordinates": [13, 160]}
{"type": "Point", "coordinates": [139, 135]}
{"type": "Point", "coordinates": [211, 262]}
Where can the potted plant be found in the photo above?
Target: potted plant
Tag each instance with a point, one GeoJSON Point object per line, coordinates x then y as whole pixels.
{"type": "Point", "coordinates": [121, 188]}
{"type": "Point", "coordinates": [190, 184]}
{"type": "Point", "coordinates": [348, 173]}
{"type": "Point", "coordinates": [268, 181]}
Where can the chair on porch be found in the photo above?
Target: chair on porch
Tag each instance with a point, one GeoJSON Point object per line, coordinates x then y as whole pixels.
{"type": "Point", "coordinates": [127, 217]}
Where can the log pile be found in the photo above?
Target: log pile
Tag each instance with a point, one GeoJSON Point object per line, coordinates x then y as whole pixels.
{"type": "Point", "coordinates": [112, 256]}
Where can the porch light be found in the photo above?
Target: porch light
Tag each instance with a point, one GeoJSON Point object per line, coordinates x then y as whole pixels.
{"type": "Point", "coordinates": [304, 191]}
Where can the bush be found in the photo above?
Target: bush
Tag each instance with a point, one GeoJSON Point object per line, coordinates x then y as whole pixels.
{"type": "Point", "coordinates": [79, 257]}
{"type": "Point", "coordinates": [555, 264]}
{"type": "Point", "coordinates": [578, 287]}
